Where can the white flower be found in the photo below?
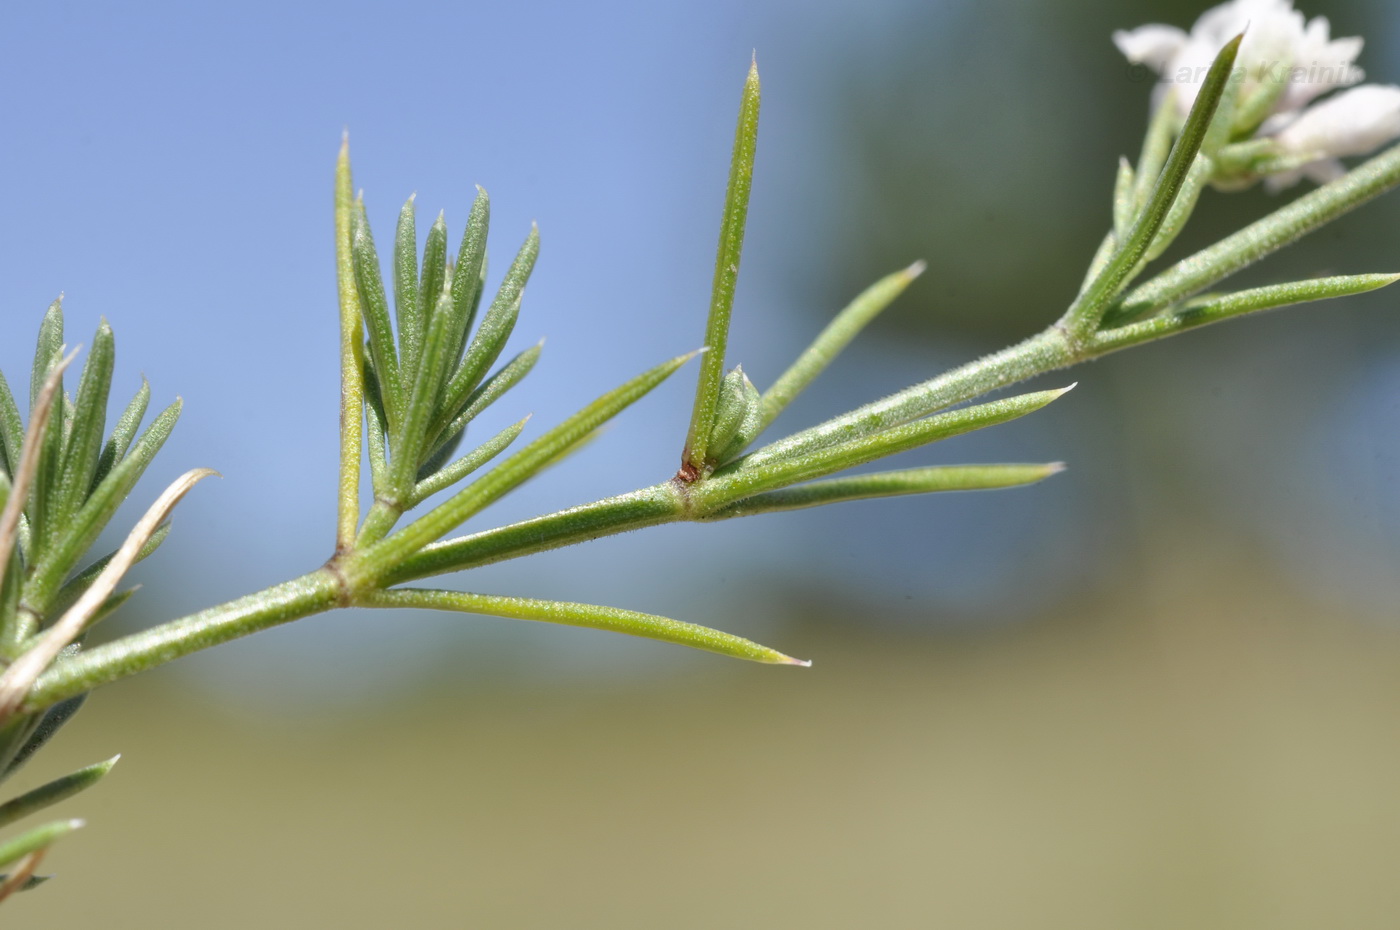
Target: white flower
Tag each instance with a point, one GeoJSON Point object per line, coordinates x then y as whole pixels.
{"type": "Point", "coordinates": [1281, 53]}
{"type": "Point", "coordinates": [1354, 122]}
{"type": "Point", "coordinates": [1286, 63]}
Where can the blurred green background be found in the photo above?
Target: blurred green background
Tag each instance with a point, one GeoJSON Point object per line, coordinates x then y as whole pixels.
{"type": "Point", "coordinates": [1158, 690]}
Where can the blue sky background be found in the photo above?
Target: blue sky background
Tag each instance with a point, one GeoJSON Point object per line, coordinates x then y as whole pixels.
{"type": "Point", "coordinates": [168, 166]}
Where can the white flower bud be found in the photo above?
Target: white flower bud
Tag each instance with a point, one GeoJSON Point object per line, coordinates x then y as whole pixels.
{"type": "Point", "coordinates": [1355, 122]}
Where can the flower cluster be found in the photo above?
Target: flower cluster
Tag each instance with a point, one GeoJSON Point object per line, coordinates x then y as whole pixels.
{"type": "Point", "coordinates": [1285, 64]}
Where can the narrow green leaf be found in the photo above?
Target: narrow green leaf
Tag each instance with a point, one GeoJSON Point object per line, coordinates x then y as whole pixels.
{"type": "Point", "coordinates": [511, 374]}
{"type": "Point", "coordinates": [55, 791]}
{"type": "Point", "coordinates": [36, 839]}
{"type": "Point", "coordinates": [736, 482]}
{"type": "Point", "coordinates": [47, 351]}
{"type": "Point", "coordinates": [413, 318]}
{"type": "Point", "coordinates": [14, 526]}
{"type": "Point", "coordinates": [495, 328]}
{"type": "Point", "coordinates": [16, 733]}
{"type": "Point", "coordinates": [43, 730]}
{"type": "Point", "coordinates": [510, 474]}
{"type": "Point", "coordinates": [128, 425]}
{"type": "Point", "coordinates": [11, 583]}
{"type": "Point", "coordinates": [591, 616]}
{"type": "Point", "coordinates": [835, 337]}
{"type": "Point", "coordinates": [108, 607]}
{"type": "Point", "coordinates": [75, 586]}
{"type": "Point", "coordinates": [434, 267]}
{"type": "Point", "coordinates": [1181, 209]}
{"type": "Point", "coordinates": [731, 247]}
{"type": "Point", "coordinates": [889, 484]}
{"type": "Point", "coordinates": [1124, 199]}
{"type": "Point", "coordinates": [376, 430]}
{"type": "Point", "coordinates": [1213, 309]}
{"type": "Point", "coordinates": [45, 519]}
{"type": "Point", "coordinates": [33, 881]}
{"type": "Point", "coordinates": [1283, 227]}
{"type": "Point", "coordinates": [1085, 313]}
{"type": "Point", "coordinates": [84, 444]}
{"type": "Point", "coordinates": [82, 531]}
{"type": "Point", "coordinates": [378, 326]}
{"type": "Point", "coordinates": [449, 475]}
{"type": "Point", "coordinates": [1156, 146]}
{"type": "Point", "coordinates": [11, 429]}
{"type": "Point", "coordinates": [469, 273]}
{"type": "Point", "coordinates": [409, 450]}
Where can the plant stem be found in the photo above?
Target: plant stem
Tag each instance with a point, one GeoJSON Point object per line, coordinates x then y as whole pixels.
{"type": "Point", "coordinates": [313, 593]}
{"type": "Point", "coordinates": [669, 502]}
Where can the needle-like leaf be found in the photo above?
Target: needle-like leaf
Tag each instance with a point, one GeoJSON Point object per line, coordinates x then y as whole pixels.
{"type": "Point", "coordinates": [511, 374]}
{"type": "Point", "coordinates": [492, 335]}
{"type": "Point", "coordinates": [36, 839]}
{"type": "Point", "coordinates": [837, 335]}
{"type": "Point", "coordinates": [75, 586]}
{"type": "Point", "coordinates": [11, 429]}
{"type": "Point", "coordinates": [468, 275]}
{"type": "Point", "coordinates": [128, 425]}
{"type": "Point", "coordinates": [83, 445]}
{"type": "Point", "coordinates": [731, 246]}
{"type": "Point", "coordinates": [1213, 309]}
{"type": "Point", "coordinates": [412, 317]}
{"type": "Point", "coordinates": [45, 400]}
{"type": "Point", "coordinates": [889, 484]}
{"type": "Point", "coordinates": [374, 304]}
{"type": "Point", "coordinates": [591, 616]}
{"type": "Point", "coordinates": [449, 475]}
{"type": "Point", "coordinates": [55, 791]}
{"type": "Point", "coordinates": [738, 481]}
{"type": "Point", "coordinates": [82, 531]}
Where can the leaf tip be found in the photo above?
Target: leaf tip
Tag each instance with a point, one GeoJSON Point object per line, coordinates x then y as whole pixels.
{"type": "Point", "coordinates": [914, 270]}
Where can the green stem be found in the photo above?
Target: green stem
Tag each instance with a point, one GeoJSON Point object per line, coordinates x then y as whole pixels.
{"type": "Point", "coordinates": [312, 593]}
{"type": "Point", "coordinates": [653, 506]}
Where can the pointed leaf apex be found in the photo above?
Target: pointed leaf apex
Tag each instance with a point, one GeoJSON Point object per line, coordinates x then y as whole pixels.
{"type": "Point", "coordinates": [914, 270]}
{"type": "Point", "coordinates": [800, 663]}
